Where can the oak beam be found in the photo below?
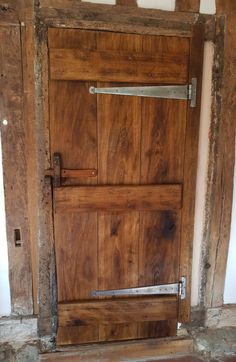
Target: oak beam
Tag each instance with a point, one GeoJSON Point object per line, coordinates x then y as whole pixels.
{"type": "Point", "coordinates": [222, 157]}
{"type": "Point", "coordinates": [187, 5]}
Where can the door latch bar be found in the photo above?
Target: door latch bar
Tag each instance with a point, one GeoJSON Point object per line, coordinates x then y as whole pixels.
{"type": "Point", "coordinates": [188, 92]}
{"type": "Point", "coordinates": [175, 288]}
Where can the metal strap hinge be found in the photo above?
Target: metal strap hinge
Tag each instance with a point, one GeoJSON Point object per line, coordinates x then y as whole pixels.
{"type": "Point", "coordinates": [188, 92]}
{"type": "Point", "coordinates": [175, 288]}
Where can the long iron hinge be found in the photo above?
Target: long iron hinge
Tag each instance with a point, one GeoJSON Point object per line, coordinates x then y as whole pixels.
{"type": "Point", "coordinates": [188, 92]}
{"type": "Point", "coordinates": [175, 288]}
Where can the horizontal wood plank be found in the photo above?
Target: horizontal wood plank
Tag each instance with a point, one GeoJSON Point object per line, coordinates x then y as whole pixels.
{"type": "Point", "coordinates": [117, 66]}
{"type": "Point", "coordinates": [122, 351]}
{"type": "Point", "coordinates": [117, 311]}
{"type": "Point", "coordinates": [118, 198]}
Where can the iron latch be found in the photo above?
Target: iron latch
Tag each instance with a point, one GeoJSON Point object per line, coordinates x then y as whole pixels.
{"type": "Point", "coordinates": [161, 289]}
{"type": "Point", "coordinates": [188, 92]}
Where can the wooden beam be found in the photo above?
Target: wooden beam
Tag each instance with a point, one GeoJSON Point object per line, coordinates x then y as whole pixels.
{"type": "Point", "coordinates": [187, 5]}
{"type": "Point", "coordinates": [74, 14]}
{"type": "Point", "coordinates": [126, 2]}
{"type": "Point", "coordinates": [15, 168]}
{"type": "Point", "coordinates": [46, 257]}
{"type": "Point", "coordinates": [190, 169]}
{"type": "Point", "coordinates": [127, 351]}
{"type": "Point", "coordinates": [222, 157]}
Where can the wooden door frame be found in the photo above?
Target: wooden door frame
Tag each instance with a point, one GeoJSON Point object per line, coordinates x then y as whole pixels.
{"type": "Point", "coordinates": [218, 209]}
{"type": "Point", "coordinates": [180, 24]}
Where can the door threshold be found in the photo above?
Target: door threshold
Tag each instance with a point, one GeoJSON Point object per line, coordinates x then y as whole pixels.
{"type": "Point", "coordinates": [132, 351]}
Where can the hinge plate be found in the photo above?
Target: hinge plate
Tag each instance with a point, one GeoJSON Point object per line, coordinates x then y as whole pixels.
{"type": "Point", "coordinates": [187, 92]}
{"type": "Point", "coordinates": [162, 289]}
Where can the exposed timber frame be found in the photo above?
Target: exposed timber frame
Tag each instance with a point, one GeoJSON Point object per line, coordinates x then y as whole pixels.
{"type": "Point", "coordinates": [37, 254]}
{"type": "Point", "coordinates": [109, 18]}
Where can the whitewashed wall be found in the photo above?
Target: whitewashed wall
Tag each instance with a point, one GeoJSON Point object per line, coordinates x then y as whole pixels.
{"type": "Point", "coordinates": [230, 281]}
{"type": "Point", "coordinates": [206, 6]}
{"type": "Point", "coordinates": [5, 307]}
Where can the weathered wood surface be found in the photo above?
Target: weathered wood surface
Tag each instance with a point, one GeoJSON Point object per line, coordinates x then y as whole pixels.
{"type": "Point", "coordinates": [74, 14]}
{"type": "Point", "coordinates": [187, 5]}
{"type": "Point", "coordinates": [28, 55]}
{"type": "Point", "coordinates": [15, 166]}
{"type": "Point", "coordinates": [190, 169]}
{"type": "Point", "coordinates": [222, 157]}
{"type": "Point", "coordinates": [125, 310]}
{"type": "Point", "coordinates": [132, 351]}
{"type": "Point", "coordinates": [46, 254]}
{"type": "Point", "coordinates": [14, 11]}
{"type": "Point", "coordinates": [135, 144]}
{"type": "Point", "coordinates": [117, 198]}
{"type": "Point", "coordinates": [76, 64]}
{"type": "Point", "coordinates": [126, 2]}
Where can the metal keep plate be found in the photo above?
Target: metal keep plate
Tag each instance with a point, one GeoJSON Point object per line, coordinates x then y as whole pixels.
{"type": "Point", "coordinates": [168, 92]}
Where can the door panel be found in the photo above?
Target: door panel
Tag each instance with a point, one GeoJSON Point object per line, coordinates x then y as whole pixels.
{"type": "Point", "coordinates": [120, 228]}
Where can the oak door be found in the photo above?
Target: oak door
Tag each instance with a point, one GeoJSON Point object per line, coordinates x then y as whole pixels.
{"type": "Point", "coordinates": [124, 182]}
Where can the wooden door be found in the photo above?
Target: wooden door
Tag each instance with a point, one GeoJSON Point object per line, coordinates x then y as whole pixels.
{"type": "Point", "coordinates": [124, 218]}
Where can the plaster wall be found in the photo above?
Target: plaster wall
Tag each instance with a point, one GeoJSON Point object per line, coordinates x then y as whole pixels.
{"type": "Point", "coordinates": [206, 6]}
{"type": "Point", "coordinates": [5, 306]}
{"type": "Point", "coordinates": [230, 280]}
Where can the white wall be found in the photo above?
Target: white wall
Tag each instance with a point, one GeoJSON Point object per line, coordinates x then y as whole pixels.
{"type": "Point", "coordinates": [5, 306]}
{"type": "Point", "coordinates": [206, 6]}
{"type": "Point", "coordinates": [230, 281]}
{"type": "Point", "coordinates": [201, 187]}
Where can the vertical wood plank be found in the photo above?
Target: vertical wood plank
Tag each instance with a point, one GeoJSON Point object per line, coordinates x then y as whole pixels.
{"type": "Point", "coordinates": [190, 169]}
{"type": "Point", "coordinates": [187, 5]}
{"type": "Point", "coordinates": [118, 262]}
{"type": "Point", "coordinates": [77, 272]}
{"type": "Point", "coordinates": [163, 132]}
{"type": "Point", "coordinates": [15, 170]}
{"type": "Point", "coordinates": [28, 55]}
{"type": "Point", "coordinates": [162, 155]}
{"type": "Point", "coordinates": [73, 114]}
{"type": "Point", "coordinates": [119, 126]}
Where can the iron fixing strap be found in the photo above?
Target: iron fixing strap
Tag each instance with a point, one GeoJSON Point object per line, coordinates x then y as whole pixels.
{"type": "Point", "coordinates": [188, 92]}
{"type": "Point", "coordinates": [162, 289]}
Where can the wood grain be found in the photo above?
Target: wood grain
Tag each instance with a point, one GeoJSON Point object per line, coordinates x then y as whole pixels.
{"type": "Point", "coordinates": [74, 14]}
{"type": "Point", "coordinates": [126, 2]}
{"type": "Point", "coordinates": [139, 149]}
{"type": "Point", "coordinates": [76, 119]}
{"type": "Point", "coordinates": [118, 198]}
{"type": "Point", "coordinates": [76, 239]}
{"type": "Point", "coordinates": [117, 311]}
{"type": "Point", "coordinates": [187, 5]}
{"type": "Point", "coordinates": [76, 64]}
{"type": "Point", "coordinates": [222, 159]}
{"type": "Point", "coordinates": [190, 169]}
{"type": "Point", "coordinates": [28, 56]}
{"type": "Point", "coordinates": [15, 167]}
{"type": "Point", "coordinates": [133, 350]}
{"type": "Point", "coordinates": [119, 163]}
